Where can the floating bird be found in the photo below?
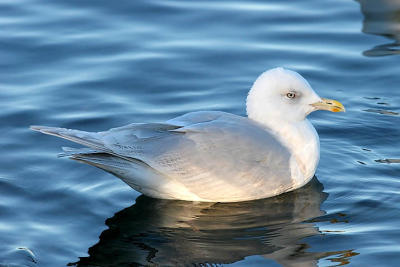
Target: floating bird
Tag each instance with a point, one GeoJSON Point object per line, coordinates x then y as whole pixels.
{"type": "Point", "coordinates": [212, 155]}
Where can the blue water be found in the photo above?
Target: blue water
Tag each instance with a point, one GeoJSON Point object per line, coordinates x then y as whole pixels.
{"type": "Point", "coordinates": [93, 65]}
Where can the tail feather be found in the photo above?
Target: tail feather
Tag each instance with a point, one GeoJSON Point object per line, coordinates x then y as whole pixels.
{"type": "Point", "coordinates": [88, 139]}
{"type": "Point", "coordinates": [92, 141]}
{"type": "Point", "coordinates": [134, 172]}
{"type": "Point", "coordinates": [104, 161]}
{"type": "Point", "coordinates": [71, 151]}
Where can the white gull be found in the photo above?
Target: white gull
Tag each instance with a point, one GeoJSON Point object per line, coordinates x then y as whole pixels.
{"type": "Point", "coordinates": [215, 156]}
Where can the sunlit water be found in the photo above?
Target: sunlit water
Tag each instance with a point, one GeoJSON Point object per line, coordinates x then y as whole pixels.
{"type": "Point", "coordinates": [94, 65]}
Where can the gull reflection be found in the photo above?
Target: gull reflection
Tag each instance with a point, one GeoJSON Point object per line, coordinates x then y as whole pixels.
{"type": "Point", "coordinates": [156, 232]}
{"type": "Point", "coordinates": [382, 17]}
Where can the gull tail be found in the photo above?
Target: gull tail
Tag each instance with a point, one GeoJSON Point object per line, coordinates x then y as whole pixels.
{"type": "Point", "coordinates": [71, 151]}
{"type": "Point", "coordinates": [135, 173]}
{"type": "Point", "coordinates": [97, 158]}
{"type": "Point", "coordinates": [95, 153]}
{"type": "Point", "coordinates": [89, 139]}
{"type": "Point", "coordinates": [104, 161]}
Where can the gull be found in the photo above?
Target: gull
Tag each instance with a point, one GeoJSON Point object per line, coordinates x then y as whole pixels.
{"type": "Point", "coordinates": [215, 156]}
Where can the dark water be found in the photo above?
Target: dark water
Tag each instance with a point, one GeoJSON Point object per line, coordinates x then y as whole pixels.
{"type": "Point", "coordinates": [94, 65]}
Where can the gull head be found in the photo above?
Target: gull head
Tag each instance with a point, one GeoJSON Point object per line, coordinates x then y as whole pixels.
{"type": "Point", "coordinates": [284, 95]}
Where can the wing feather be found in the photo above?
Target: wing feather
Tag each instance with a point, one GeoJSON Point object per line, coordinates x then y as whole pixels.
{"type": "Point", "coordinates": [208, 152]}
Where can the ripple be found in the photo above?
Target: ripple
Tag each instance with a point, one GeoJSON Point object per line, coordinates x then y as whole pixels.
{"type": "Point", "coordinates": [94, 66]}
{"type": "Point", "coordinates": [382, 111]}
{"type": "Point", "coordinates": [388, 160]}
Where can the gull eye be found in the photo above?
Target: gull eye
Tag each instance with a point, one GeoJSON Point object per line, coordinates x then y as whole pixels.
{"type": "Point", "coordinates": [290, 95]}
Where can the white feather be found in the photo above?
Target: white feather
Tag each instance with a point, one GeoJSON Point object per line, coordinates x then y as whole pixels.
{"type": "Point", "coordinates": [211, 155]}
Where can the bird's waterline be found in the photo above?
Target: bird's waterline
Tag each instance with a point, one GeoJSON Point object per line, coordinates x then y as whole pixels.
{"type": "Point", "coordinates": [93, 67]}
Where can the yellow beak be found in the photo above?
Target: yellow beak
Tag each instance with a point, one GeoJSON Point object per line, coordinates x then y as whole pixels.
{"type": "Point", "coordinates": [329, 104]}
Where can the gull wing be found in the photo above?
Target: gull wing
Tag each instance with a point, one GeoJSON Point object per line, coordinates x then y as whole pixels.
{"type": "Point", "coordinates": [212, 154]}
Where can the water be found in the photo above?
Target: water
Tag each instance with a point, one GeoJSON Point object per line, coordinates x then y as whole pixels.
{"type": "Point", "coordinates": [94, 65]}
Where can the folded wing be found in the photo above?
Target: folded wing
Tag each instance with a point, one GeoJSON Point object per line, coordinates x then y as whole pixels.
{"type": "Point", "coordinates": [210, 153]}
{"type": "Point", "coordinates": [213, 155]}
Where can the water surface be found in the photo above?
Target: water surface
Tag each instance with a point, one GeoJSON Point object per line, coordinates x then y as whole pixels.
{"type": "Point", "coordinates": [93, 65]}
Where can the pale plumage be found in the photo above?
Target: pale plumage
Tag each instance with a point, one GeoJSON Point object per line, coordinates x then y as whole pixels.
{"type": "Point", "coordinates": [211, 155]}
